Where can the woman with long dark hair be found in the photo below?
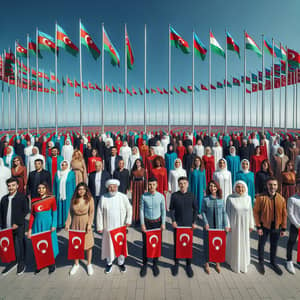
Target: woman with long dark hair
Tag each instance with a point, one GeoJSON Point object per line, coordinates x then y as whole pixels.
{"type": "Point", "coordinates": [19, 171]}
{"type": "Point", "coordinates": [262, 176]}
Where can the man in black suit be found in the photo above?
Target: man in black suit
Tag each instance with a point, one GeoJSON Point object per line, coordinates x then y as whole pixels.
{"type": "Point", "coordinates": [36, 177]}
{"type": "Point", "coordinates": [13, 210]}
{"type": "Point", "coordinates": [97, 181]}
{"type": "Point", "coordinates": [112, 161]}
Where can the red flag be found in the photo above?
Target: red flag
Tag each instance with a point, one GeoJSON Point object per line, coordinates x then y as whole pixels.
{"type": "Point", "coordinates": [76, 244]}
{"type": "Point", "coordinates": [160, 91]}
{"type": "Point", "coordinates": [147, 91]}
{"type": "Point", "coordinates": [84, 86]}
{"type": "Point", "coordinates": [76, 84]}
{"type": "Point", "coordinates": [91, 86]}
{"type": "Point", "coordinates": [118, 237]}
{"type": "Point", "coordinates": [134, 91]}
{"type": "Point", "coordinates": [70, 82]}
{"type": "Point", "coordinates": [176, 90]}
{"type": "Point", "coordinates": [153, 238]}
{"type": "Point", "coordinates": [7, 249]}
{"type": "Point", "coordinates": [114, 89]}
{"type": "Point", "coordinates": [120, 91]}
{"type": "Point", "coordinates": [42, 248]}
{"type": "Point", "coordinates": [97, 87]}
{"type": "Point", "coordinates": [77, 94]}
{"type": "Point", "coordinates": [203, 87]}
{"type": "Point", "coordinates": [140, 91]}
{"type": "Point", "coordinates": [108, 88]}
{"type": "Point", "coordinates": [128, 92]}
{"type": "Point", "coordinates": [183, 90]}
{"type": "Point", "coordinates": [217, 245]}
{"type": "Point", "coordinates": [184, 242]}
{"type": "Point", "coordinates": [298, 250]}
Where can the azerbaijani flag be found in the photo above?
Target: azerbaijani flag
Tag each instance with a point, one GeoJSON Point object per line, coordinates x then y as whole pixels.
{"type": "Point", "coordinates": [130, 58]}
{"type": "Point", "coordinates": [270, 48]}
{"type": "Point", "coordinates": [254, 77]}
{"type": "Point", "coordinates": [109, 47]}
{"type": "Point", "coordinates": [215, 46]}
{"type": "Point", "coordinates": [21, 51]}
{"type": "Point", "coordinates": [251, 45]}
{"type": "Point", "coordinates": [46, 42]}
{"type": "Point", "coordinates": [199, 48]}
{"type": "Point", "coordinates": [232, 45]}
{"type": "Point", "coordinates": [63, 41]}
{"type": "Point", "coordinates": [32, 48]}
{"type": "Point", "coordinates": [88, 42]}
{"type": "Point", "coordinates": [219, 85]}
{"type": "Point", "coordinates": [178, 41]}
{"type": "Point", "coordinates": [235, 81]}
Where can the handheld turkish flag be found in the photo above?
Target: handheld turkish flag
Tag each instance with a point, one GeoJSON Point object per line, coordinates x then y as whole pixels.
{"type": "Point", "coordinates": [7, 249]}
{"type": "Point", "coordinates": [217, 245]}
{"type": "Point", "coordinates": [118, 237]}
{"type": "Point", "coordinates": [184, 242]}
{"type": "Point", "coordinates": [76, 244]}
{"type": "Point", "coordinates": [153, 238]}
{"type": "Point", "coordinates": [298, 250]}
{"type": "Point", "coordinates": [42, 248]}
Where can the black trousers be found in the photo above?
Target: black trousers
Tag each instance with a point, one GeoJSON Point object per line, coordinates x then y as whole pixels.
{"type": "Point", "coordinates": [149, 225]}
{"type": "Point", "coordinates": [20, 244]}
{"type": "Point", "coordinates": [274, 237]}
{"type": "Point", "coordinates": [176, 260]}
{"type": "Point", "coordinates": [291, 242]}
{"type": "Point", "coordinates": [96, 201]}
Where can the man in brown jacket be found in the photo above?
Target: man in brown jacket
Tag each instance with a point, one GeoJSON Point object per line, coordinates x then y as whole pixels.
{"type": "Point", "coordinates": [271, 219]}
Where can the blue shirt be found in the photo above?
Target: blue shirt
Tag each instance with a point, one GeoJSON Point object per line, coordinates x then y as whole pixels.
{"type": "Point", "coordinates": [152, 207]}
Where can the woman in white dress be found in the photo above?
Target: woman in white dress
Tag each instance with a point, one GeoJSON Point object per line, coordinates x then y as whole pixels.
{"type": "Point", "coordinates": [239, 211]}
{"type": "Point", "coordinates": [175, 174]}
{"type": "Point", "coordinates": [217, 151]}
{"type": "Point", "coordinates": [5, 173]}
{"type": "Point", "coordinates": [67, 151]}
{"type": "Point", "coordinates": [135, 154]}
{"type": "Point", "coordinates": [223, 177]}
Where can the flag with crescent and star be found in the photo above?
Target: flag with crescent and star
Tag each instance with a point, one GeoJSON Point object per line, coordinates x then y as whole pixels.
{"type": "Point", "coordinates": [118, 238]}
{"type": "Point", "coordinates": [153, 238]}
{"type": "Point", "coordinates": [7, 249]}
{"type": "Point", "coordinates": [178, 41]}
{"type": "Point", "coordinates": [88, 42]}
{"type": "Point", "coordinates": [217, 245]}
{"type": "Point", "coordinates": [76, 244]}
{"type": "Point", "coordinates": [184, 242]}
{"type": "Point", "coordinates": [46, 42]}
{"type": "Point", "coordinates": [63, 41]}
{"type": "Point", "coordinates": [43, 250]}
{"type": "Point", "coordinates": [110, 48]}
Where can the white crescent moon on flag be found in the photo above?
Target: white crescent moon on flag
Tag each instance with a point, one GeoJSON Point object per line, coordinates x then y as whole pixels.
{"type": "Point", "coordinates": [153, 236]}
{"type": "Point", "coordinates": [40, 243]}
{"type": "Point", "coordinates": [217, 239]}
{"type": "Point", "coordinates": [19, 49]}
{"type": "Point", "coordinates": [182, 236]}
{"type": "Point", "coordinates": [180, 41]}
{"type": "Point", "coordinates": [75, 238]}
{"type": "Point", "coordinates": [66, 40]}
{"type": "Point", "coordinates": [116, 237]}
{"type": "Point", "coordinates": [46, 41]}
{"type": "Point", "coordinates": [1, 241]}
{"type": "Point", "coordinates": [88, 40]}
{"type": "Point", "coordinates": [39, 208]}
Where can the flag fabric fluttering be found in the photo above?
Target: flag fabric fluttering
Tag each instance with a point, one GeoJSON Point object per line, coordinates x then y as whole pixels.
{"type": "Point", "coordinates": [109, 47]}
{"type": "Point", "coordinates": [232, 44]}
{"type": "Point", "coordinates": [251, 45]}
{"type": "Point", "coordinates": [199, 47]}
{"type": "Point", "coordinates": [269, 48]}
{"type": "Point", "coordinates": [129, 51]}
{"type": "Point", "coordinates": [88, 42]}
{"type": "Point", "coordinates": [178, 41]}
{"type": "Point", "coordinates": [63, 41]}
{"type": "Point", "coordinates": [46, 42]}
{"type": "Point", "coordinates": [215, 46]}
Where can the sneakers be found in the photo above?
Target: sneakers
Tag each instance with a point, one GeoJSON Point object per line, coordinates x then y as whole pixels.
{"type": "Point", "coordinates": [174, 269]}
{"type": "Point", "coordinates": [20, 269]}
{"type": "Point", "coordinates": [108, 269]}
{"type": "Point", "coordinates": [261, 268]}
{"type": "Point", "coordinates": [122, 268]}
{"type": "Point", "coordinates": [143, 270]}
{"type": "Point", "coordinates": [276, 269]}
{"type": "Point", "coordinates": [189, 271]}
{"type": "Point", "coordinates": [51, 269]}
{"type": "Point", "coordinates": [90, 269]}
{"type": "Point", "coordinates": [155, 270]}
{"type": "Point", "coordinates": [290, 267]}
{"type": "Point", "coordinates": [10, 267]}
{"type": "Point", "coordinates": [74, 269]}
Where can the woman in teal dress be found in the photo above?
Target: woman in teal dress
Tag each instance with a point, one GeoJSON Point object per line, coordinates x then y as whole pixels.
{"type": "Point", "coordinates": [197, 181]}
{"type": "Point", "coordinates": [233, 163]}
{"type": "Point", "coordinates": [43, 217]}
{"type": "Point", "coordinates": [64, 186]}
{"type": "Point", "coordinates": [248, 177]}
{"type": "Point", "coordinates": [170, 158]}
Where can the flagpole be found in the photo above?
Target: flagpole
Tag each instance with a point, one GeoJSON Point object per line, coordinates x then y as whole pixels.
{"type": "Point", "coordinates": [125, 82]}
{"type": "Point", "coordinates": [193, 87]}
{"type": "Point", "coordinates": [9, 103]}
{"type": "Point", "coordinates": [250, 102]}
{"type": "Point", "coordinates": [216, 107]}
{"type": "Point", "coordinates": [231, 100]}
{"type": "Point", "coordinates": [37, 84]}
{"type": "Point", "coordinates": [16, 89]}
{"type": "Point", "coordinates": [263, 89]}
{"type": "Point", "coordinates": [43, 98]}
{"type": "Point", "coordinates": [22, 108]}
{"type": "Point", "coordinates": [244, 111]}
{"type": "Point", "coordinates": [56, 92]}
{"type": "Point", "coordinates": [294, 100]}
{"type": "Point", "coordinates": [225, 108]}
{"type": "Point", "coordinates": [169, 88]}
{"type": "Point", "coordinates": [102, 111]}
{"type": "Point", "coordinates": [285, 95]}
{"type": "Point", "coordinates": [28, 87]}
{"type": "Point", "coordinates": [296, 108]}
{"type": "Point", "coordinates": [209, 89]}
{"type": "Point", "coordinates": [273, 87]}
{"type": "Point", "coordinates": [2, 96]}
{"type": "Point", "coordinates": [80, 70]}
{"type": "Point", "coordinates": [256, 119]}
{"type": "Point", "coordinates": [280, 101]}
{"type": "Point", "coordinates": [145, 81]}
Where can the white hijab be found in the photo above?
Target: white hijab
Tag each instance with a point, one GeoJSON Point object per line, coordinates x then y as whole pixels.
{"type": "Point", "coordinates": [62, 176]}
{"type": "Point", "coordinates": [245, 171]}
{"type": "Point", "coordinates": [246, 189]}
{"type": "Point", "coordinates": [234, 153]}
{"type": "Point", "coordinates": [9, 156]}
{"type": "Point", "coordinates": [222, 170]}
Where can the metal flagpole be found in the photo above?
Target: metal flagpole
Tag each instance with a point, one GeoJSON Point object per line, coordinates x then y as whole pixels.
{"type": "Point", "coordinates": [125, 81]}
{"type": "Point", "coordinates": [209, 89]}
{"type": "Point", "coordinates": [22, 109]}
{"type": "Point", "coordinates": [28, 86]}
{"type": "Point", "coordinates": [250, 101]}
{"type": "Point", "coordinates": [225, 105]}
{"type": "Point", "coordinates": [9, 103]}
{"type": "Point", "coordinates": [16, 90]}
{"type": "Point", "coordinates": [294, 100]}
{"type": "Point", "coordinates": [215, 107]}
{"type": "Point", "coordinates": [43, 98]}
{"type": "Point", "coordinates": [193, 88]}
{"type": "Point", "coordinates": [285, 95]}
{"type": "Point", "coordinates": [263, 89]}
{"type": "Point", "coordinates": [280, 101]}
{"type": "Point", "coordinates": [102, 111]}
{"type": "Point", "coordinates": [2, 96]}
{"type": "Point", "coordinates": [80, 67]}
{"type": "Point", "coordinates": [244, 112]}
{"type": "Point", "coordinates": [145, 80]}
{"type": "Point", "coordinates": [257, 110]}
{"type": "Point", "coordinates": [231, 113]}
{"type": "Point", "coordinates": [273, 88]}
{"type": "Point", "coordinates": [56, 92]}
{"type": "Point", "coordinates": [169, 88]}
{"type": "Point", "coordinates": [37, 83]}
{"type": "Point", "coordinates": [296, 108]}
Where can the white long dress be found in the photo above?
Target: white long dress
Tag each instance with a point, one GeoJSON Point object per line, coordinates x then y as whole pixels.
{"type": "Point", "coordinates": [239, 211]}
{"type": "Point", "coordinates": [32, 158]}
{"type": "Point", "coordinates": [199, 150]}
{"type": "Point", "coordinates": [5, 173]}
{"type": "Point", "coordinates": [67, 152]}
{"type": "Point", "coordinates": [173, 178]}
{"type": "Point", "coordinates": [125, 152]}
{"type": "Point", "coordinates": [217, 153]}
{"type": "Point", "coordinates": [112, 212]}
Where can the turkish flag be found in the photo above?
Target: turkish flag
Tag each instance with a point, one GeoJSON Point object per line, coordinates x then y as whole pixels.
{"type": "Point", "coordinates": [184, 242]}
{"type": "Point", "coordinates": [153, 238]}
{"type": "Point", "coordinates": [42, 248]}
{"type": "Point", "coordinates": [7, 248]}
{"type": "Point", "coordinates": [217, 245]}
{"type": "Point", "coordinates": [298, 250]}
{"type": "Point", "coordinates": [76, 244]}
{"type": "Point", "coordinates": [118, 237]}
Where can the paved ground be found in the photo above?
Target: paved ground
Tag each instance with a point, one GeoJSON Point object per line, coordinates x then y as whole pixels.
{"type": "Point", "coordinates": [226, 285]}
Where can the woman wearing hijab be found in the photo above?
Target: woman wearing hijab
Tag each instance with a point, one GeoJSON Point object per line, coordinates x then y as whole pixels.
{"type": "Point", "coordinates": [5, 173]}
{"type": "Point", "coordinates": [239, 212]}
{"type": "Point", "coordinates": [223, 177]}
{"type": "Point", "coordinates": [170, 158]}
{"type": "Point", "coordinates": [64, 186]}
{"type": "Point", "coordinates": [174, 175]}
{"type": "Point", "coordinates": [248, 177]}
{"type": "Point", "coordinates": [67, 150]}
{"type": "Point", "coordinates": [209, 162]}
{"type": "Point", "coordinates": [262, 177]}
{"type": "Point", "coordinates": [135, 154]}
{"type": "Point", "coordinates": [197, 181]}
{"type": "Point", "coordinates": [256, 160]}
{"type": "Point", "coordinates": [217, 151]}
{"type": "Point", "coordinates": [288, 180]}
{"type": "Point", "coordinates": [19, 171]}
{"type": "Point", "coordinates": [9, 156]}
{"type": "Point", "coordinates": [233, 163]}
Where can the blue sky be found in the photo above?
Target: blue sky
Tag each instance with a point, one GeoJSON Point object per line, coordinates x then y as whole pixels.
{"type": "Point", "coordinates": [269, 17]}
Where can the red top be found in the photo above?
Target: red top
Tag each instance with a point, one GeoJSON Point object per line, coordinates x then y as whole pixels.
{"type": "Point", "coordinates": [209, 162]}
{"type": "Point", "coordinates": [118, 144]}
{"type": "Point", "coordinates": [255, 163]}
{"type": "Point", "coordinates": [92, 163]}
{"type": "Point", "coordinates": [54, 167]}
{"type": "Point", "coordinates": [162, 179]}
{"type": "Point", "coordinates": [180, 152]}
{"type": "Point", "coordinates": [149, 165]}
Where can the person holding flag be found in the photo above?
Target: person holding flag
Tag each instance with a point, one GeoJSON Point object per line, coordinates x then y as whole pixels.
{"type": "Point", "coordinates": [13, 210]}
{"type": "Point", "coordinates": [152, 216]}
{"type": "Point", "coordinates": [113, 212]}
{"type": "Point", "coordinates": [183, 210]}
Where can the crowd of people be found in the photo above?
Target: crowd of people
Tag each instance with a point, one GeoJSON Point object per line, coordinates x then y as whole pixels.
{"type": "Point", "coordinates": [96, 183]}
